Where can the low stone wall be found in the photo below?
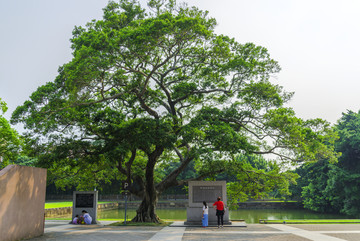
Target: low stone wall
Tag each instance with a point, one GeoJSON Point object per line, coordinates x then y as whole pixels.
{"type": "Point", "coordinates": [269, 205]}
{"type": "Point", "coordinates": [172, 205]}
{"type": "Point", "coordinates": [118, 197]}
{"type": "Point", "coordinates": [60, 212]}
{"type": "Point", "coordinates": [105, 206]}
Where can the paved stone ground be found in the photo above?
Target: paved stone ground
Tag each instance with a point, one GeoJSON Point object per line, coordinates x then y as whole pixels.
{"type": "Point", "coordinates": [241, 236]}
{"type": "Point", "coordinates": [61, 231]}
{"type": "Point", "coordinates": [327, 227]}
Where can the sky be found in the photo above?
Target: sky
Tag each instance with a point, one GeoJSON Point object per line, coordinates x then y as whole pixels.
{"type": "Point", "coordinates": [316, 42]}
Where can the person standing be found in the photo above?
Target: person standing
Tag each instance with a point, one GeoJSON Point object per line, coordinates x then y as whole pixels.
{"type": "Point", "coordinates": [205, 217]}
{"type": "Point", "coordinates": [220, 211]}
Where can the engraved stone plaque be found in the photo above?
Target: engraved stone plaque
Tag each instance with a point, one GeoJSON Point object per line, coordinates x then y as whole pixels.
{"type": "Point", "coordinates": [206, 193]}
{"type": "Point", "coordinates": [84, 200]}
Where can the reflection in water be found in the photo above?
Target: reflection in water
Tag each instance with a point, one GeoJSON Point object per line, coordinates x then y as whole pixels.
{"type": "Point", "coordinates": [254, 215]}
{"type": "Point", "coordinates": [171, 213]}
{"type": "Point", "coordinates": [249, 215]}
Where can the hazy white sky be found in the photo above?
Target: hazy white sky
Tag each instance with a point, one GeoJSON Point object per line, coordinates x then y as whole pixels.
{"type": "Point", "coordinates": [316, 43]}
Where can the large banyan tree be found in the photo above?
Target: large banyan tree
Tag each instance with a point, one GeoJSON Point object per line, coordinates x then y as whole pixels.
{"type": "Point", "coordinates": [154, 85]}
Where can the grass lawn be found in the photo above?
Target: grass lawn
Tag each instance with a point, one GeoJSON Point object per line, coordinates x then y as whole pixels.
{"type": "Point", "coordinates": [273, 201]}
{"type": "Point", "coordinates": [120, 222]}
{"type": "Point", "coordinates": [62, 204]}
{"type": "Point", "coordinates": [129, 223]}
{"type": "Point", "coordinates": [311, 221]}
{"type": "Point", "coordinates": [105, 219]}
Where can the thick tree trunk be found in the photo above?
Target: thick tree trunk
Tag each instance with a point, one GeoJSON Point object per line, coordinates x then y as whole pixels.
{"type": "Point", "coordinates": [146, 211]}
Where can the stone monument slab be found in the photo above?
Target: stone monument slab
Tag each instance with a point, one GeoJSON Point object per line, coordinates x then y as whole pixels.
{"type": "Point", "coordinates": [207, 191]}
{"type": "Point", "coordinates": [85, 201]}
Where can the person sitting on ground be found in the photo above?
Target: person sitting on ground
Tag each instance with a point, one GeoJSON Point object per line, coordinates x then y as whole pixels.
{"type": "Point", "coordinates": [87, 217]}
{"type": "Point", "coordinates": [76, 219]}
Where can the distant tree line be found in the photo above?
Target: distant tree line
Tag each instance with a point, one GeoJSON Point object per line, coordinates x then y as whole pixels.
{"type": "Point", "coordinates": [327, 186]}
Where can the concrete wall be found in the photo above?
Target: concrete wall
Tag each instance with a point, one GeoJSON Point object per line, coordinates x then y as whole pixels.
{"type": "Point", "coordinates": [22, 201]}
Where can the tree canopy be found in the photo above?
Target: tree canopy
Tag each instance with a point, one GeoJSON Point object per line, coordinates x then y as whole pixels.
{"type": "Point", "coordinates": [333, 187]}
{"type": "Point", "coordinates": [146, 87]}
{"type": "Point", "coordinates": [255, 178]}
{"type": "Point", "coordinates": [9, 138]}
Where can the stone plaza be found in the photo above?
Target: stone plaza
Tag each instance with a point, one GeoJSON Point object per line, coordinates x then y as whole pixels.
{"type": "Point", "coordinates": [61, 231]}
